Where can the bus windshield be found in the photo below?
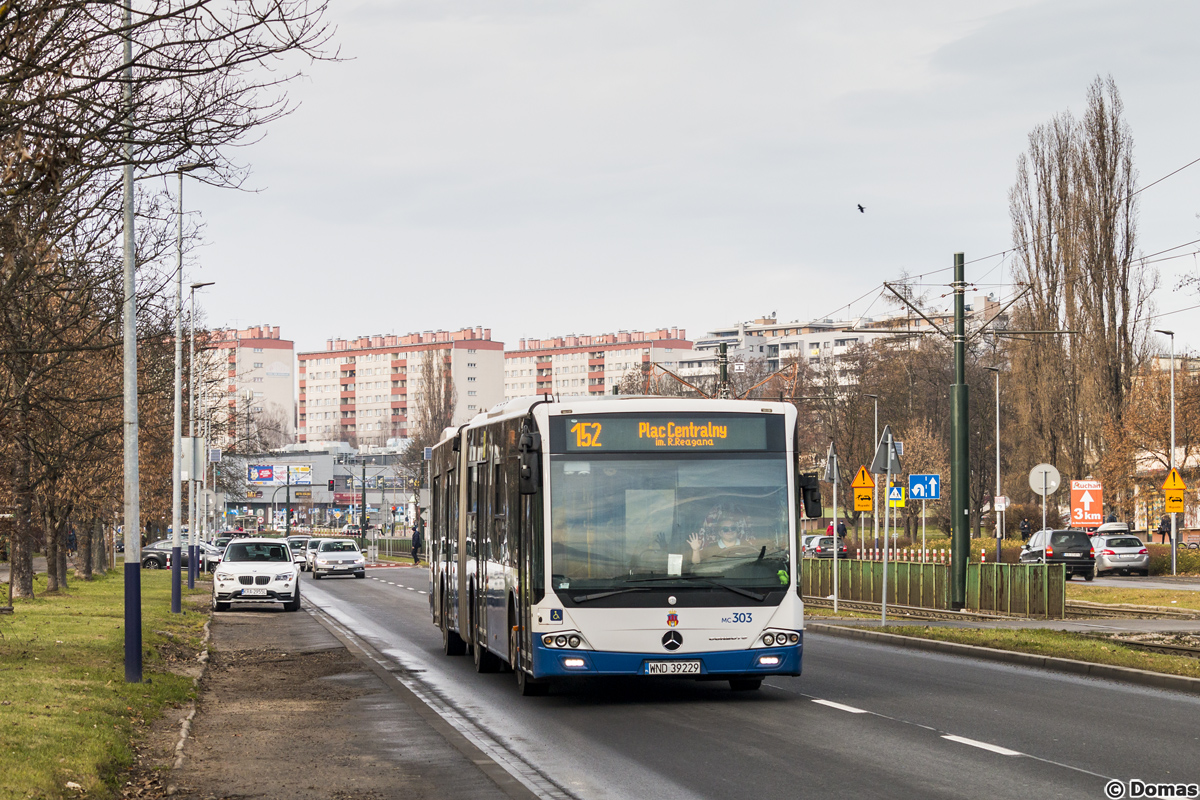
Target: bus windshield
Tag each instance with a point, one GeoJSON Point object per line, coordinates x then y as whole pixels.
{"type": "Point", "coordinates": [669, 522]}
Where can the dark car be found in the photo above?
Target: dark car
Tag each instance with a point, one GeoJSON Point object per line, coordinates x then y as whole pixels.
{"type": "Point", "coordinates": [156, 555]}
{"type": "Point", "coordinates": [1071, 548]}
{"type": "Point", "coordinates": [823, 547]}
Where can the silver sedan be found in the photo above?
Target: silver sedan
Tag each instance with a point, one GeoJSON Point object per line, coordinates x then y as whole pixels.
{"type": "Point", "coordinates": [1122, 553]}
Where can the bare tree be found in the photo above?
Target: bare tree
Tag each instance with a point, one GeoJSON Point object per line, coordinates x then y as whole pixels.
{"type": "Point", "coordinates": [1074, 217]}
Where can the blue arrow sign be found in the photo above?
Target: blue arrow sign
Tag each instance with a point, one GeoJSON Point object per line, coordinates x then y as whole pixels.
{"type": "Point", "coordinates": [925, 487]}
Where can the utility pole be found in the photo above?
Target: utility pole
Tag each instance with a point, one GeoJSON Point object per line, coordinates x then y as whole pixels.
{"type": "Point", "coordinates": [287, 504]}
{"type": "Point", "coordinates": [960, 448]}
{"type": "Point", "coordinates": [723, 372]}
{"type": "Point", "coordinates": [129, 354]}
{"type": "Point", "coordinates": [362, 528]}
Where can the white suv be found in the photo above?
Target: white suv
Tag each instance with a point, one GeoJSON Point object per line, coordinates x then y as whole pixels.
{"type": "Point", "coordinates": [256, 571]}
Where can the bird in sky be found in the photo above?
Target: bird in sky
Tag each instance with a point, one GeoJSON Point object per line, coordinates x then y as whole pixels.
{"type": "Point", "coordinates": [861, 210]}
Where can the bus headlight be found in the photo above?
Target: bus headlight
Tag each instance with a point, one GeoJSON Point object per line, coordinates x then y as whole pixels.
{"type": "Point", "coordinates": [571, 639]}
{"type": "Point", "coordinates": [777, 638]}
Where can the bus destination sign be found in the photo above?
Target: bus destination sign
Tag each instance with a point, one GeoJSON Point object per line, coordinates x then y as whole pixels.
{"type": "Point", "coordinates": [640, 433]}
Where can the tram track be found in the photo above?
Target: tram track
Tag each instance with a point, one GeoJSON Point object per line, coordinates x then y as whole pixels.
{"type": "Point", "coordinates": [913, 612]}
{"type": "Point", "coordinates": [1083, 610]}
{"type": "Point", "coordinates": [1151, 647]}
{"type": "Point", "coordinates": [1074, 610]}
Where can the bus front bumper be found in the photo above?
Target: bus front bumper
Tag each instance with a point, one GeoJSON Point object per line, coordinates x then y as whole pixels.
{"type": "Point", "coordinates": [549, 662]}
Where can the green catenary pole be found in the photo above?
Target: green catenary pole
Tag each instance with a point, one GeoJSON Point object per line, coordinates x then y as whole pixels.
{"type": "Point", "coordinates": [959, 450]}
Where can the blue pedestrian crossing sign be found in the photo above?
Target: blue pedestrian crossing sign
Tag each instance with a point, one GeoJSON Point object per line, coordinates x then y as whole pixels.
{"type": "Point", "coordinates": [925, 487]}
{"type": "Point", "coordinates": [896, 497]}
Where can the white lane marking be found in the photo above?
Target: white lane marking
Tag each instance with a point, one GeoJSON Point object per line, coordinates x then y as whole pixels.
{"type": "Point", "coordinates": [411, 589]}
{"type": "Point", "coordinates": [995, 748]}
{"type": "Point", "coordinates": [389, 583]}
{"type": "Point", "coordinates": [420, 591]}
{"type": "Point", "coordinates": [840, 707]}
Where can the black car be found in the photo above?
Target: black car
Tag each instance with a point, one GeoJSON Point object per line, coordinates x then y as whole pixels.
{"type": "Point", "coordinates": [823, 547]}
{"type": "Point", "coordinates": [1071, 548]}
{"type": "Point", "coordinates": [156, 554]}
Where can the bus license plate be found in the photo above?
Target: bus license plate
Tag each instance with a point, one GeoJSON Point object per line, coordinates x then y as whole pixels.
{"type": "Point", "coordinates": [672, 667]}
{"type": "Point", "coordinates": [254, 592]}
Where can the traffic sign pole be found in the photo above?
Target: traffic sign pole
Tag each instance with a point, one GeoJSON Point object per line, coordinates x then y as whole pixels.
{"type": "Point", "coordinates": [922, 530]}
{"type": "Point", "coordinates": [887, 486]}
{"type": "Point", "coordinates": [835, 533]}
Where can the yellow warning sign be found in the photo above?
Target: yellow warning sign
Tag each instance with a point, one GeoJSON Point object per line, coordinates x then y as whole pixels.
{"type": "Point", "coordinates": [863, 500]}
{"type": "Point", "coordinates": [1174, 501]}
{"type": "Point", "coordinates": [1173, 482]}
{"type": "Point", "coordinates": [863, 480]}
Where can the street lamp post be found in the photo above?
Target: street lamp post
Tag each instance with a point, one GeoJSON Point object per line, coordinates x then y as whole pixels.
{"type": "Point", "coordinates": [192, 498]}
{"type": "Point", "coordinates": [999, 524]}
{"type": "Point", "coordinates": [1172, 459]}
{"type": "Point", "coordinates": [177, 438]}
{"type": "Point", "coordinates": [874, 496]}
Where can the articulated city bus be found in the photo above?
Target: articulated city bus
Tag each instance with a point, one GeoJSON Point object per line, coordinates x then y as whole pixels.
{"type": "Point", "coordinates": [620, 536]}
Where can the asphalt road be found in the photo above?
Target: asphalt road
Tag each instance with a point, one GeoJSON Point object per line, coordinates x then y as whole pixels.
{"type": "Point", "coordinates": [864, 720]}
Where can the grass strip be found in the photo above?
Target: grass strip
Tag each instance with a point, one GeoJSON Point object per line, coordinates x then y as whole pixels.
{"type": "Point", "coordinates": [1132, 595]}
{"type": "Point", "coordinates": [1059, 644]}
{"type": "Point", "coordinates": [66, 713]}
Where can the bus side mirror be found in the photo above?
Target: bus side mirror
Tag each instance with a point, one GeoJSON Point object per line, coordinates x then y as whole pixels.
{"type": "Point", "coordinates": [810, 494]}
{"type": "Point", "coordinates": [530, 462]}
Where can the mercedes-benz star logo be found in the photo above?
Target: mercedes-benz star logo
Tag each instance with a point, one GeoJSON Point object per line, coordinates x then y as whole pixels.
{"type": "Point", "coordinates": [672, 640]}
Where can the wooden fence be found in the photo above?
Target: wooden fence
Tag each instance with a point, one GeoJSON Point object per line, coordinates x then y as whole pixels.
{"type": "Point", "coordinates": [1027, 590]}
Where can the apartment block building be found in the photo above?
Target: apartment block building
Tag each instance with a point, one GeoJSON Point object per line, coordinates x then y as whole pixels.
{"type": "Point", "coordinates": [249, 384]}
{"type": "Point", "coordinates": [369, 390]}
{"type": "Point", "coordinates": [588, 365]}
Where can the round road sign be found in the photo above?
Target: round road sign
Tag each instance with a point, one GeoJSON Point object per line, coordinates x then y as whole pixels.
{"type": "Point", "coordinates": [1044, 479]}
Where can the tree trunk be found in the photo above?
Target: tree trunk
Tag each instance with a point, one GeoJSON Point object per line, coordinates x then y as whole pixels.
{"type": "Point", "coordinates": [64, 528]}
{"type": "Point", "coordinates": [21, 562]}
{"type": "Point", "coordinates": [100, 549]}
{"type": "Point", "coordinates": [52, 548]}
{"type": "Point", "coordinates": [83, 563]}
{"type": "Point", "coordinates": [51, 557]}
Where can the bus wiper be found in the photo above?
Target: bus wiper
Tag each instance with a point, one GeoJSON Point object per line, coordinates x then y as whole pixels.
{"type": "Point", "coordinates": [598, 595]}
{"type": "Point", "coordinates": [718, 584]}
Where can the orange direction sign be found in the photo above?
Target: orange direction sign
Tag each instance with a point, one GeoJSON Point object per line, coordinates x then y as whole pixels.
{"type": "Point", "coordinates": [1173, 482]}
{"type": "Point", "coordinates": [1087, 504]}
{"type": "Point", "coordinates": [863, 481]}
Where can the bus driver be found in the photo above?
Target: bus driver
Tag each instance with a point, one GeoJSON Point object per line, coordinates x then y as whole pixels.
{"type": "Point", "coordinates": [730, 531]}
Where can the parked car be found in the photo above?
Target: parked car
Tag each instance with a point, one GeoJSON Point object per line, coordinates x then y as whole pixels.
{"type": "Point", "coordinates": [256, 571]}
{"type": "Point", "coordinates": [807, 543]}
{"type": "Point", "coordinates": [1072, 548]}
{"type": "Point", "coordinates": [157, 555]}
{"type": "Point", "coordinates": [310, 550]}
{"type": "Point", "coordinates": [338, 557]}
{"type": "Point", "coordinates": [823, 548]}
{"type": "Point", "coordinates": [297, 543]}
{"type": "Point", "coordinates": [1123, 553]}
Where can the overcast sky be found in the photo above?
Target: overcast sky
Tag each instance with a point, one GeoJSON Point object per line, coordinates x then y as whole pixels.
{"type": "Point", "coordinates": [545, 167]}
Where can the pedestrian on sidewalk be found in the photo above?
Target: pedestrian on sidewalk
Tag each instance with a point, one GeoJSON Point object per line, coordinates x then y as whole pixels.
{"type": "Point", "coordinates": [416, 545]}
{"type": "Point", "coordinates": [1026, 529]}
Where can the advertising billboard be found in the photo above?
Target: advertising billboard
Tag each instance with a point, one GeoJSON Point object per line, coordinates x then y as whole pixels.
{"type": "Point", "coordinates": [277, 474]}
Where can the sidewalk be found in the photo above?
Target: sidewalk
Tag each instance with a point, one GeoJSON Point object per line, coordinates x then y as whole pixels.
{"type": "Point", "coordinates": [287, 711]}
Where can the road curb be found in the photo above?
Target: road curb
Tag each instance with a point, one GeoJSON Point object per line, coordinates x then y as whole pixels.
{"type": "Point", "coordinates": [1140, 677]}
{"type": "Point", "coordinates": [185, 727]}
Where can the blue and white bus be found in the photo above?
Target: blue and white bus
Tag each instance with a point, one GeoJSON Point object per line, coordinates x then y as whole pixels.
{"type": "Point", "coordinates": [621, 536]}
